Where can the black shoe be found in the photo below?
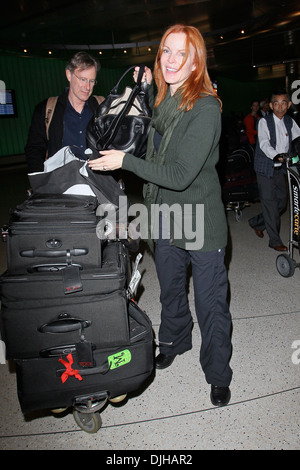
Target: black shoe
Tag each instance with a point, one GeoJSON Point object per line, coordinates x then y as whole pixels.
{"type": "Point", "coordinates": [162, 361]}
{"type": "Point", "coordinates": [220, 396]}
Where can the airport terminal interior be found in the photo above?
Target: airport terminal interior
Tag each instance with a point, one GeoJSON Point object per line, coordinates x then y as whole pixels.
{"type": "Point", "coordinates": [172, 411]}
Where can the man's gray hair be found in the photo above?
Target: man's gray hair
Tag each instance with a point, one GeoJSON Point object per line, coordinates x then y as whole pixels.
{"type": "Point", "coordinates": [82, 60]}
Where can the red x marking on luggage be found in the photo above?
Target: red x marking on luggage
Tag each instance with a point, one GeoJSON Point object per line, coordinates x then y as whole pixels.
{"type": "Point", "coordinates": [69, 371]}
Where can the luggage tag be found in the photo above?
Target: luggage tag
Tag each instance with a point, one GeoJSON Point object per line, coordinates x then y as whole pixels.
{"type": "Point", "coordinates": [135, 278]}
{"type": "Point", "coordinates": [71, 279]}
{"type": "Point", "coordinates": [84, 351]}
{"type": "Point", "coordinates": [119, 359]}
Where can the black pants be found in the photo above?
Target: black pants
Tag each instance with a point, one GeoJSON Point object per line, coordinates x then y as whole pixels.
{"type": "Point", "coordinates": [210, 288]}
{"type": "Point", "coordinates": [273, 198]}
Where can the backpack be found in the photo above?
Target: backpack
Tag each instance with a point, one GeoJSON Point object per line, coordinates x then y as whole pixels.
{"type": "Point", "coordinates": [50, 106]}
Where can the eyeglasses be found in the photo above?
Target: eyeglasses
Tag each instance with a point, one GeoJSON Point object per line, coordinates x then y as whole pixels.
{"type": "Point", "coordinates": [84, 81]}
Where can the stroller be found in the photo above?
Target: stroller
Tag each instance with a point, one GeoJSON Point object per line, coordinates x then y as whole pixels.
{"type": "Point", "coordinates": [285, 262]}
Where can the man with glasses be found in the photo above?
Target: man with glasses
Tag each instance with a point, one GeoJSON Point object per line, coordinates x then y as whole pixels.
{"type": "Point", "coordinates": [69, 116]}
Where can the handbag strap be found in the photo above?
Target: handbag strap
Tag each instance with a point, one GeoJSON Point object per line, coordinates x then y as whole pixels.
{"type": "Point", "coordinates": [117, 122]}
{"type": "Point", "coordinates": [138, 82]}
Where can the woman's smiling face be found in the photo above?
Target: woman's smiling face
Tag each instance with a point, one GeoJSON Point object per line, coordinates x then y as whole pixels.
{"type": "Point", "coordinates": [172, 57]}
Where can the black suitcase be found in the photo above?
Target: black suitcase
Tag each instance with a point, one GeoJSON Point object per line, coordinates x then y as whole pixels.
{"type": "Point", "coordinates": [44, 309]}
{"type": "Point", "coordinates": [60, 229]}
{"type": "Point", "coordinates": [240, 179]}
{"type": "Point", "coordinates": [60, 380]}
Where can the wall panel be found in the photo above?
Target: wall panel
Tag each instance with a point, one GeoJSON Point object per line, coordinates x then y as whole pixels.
{"type": "Point", "coordinates": [33, 80]}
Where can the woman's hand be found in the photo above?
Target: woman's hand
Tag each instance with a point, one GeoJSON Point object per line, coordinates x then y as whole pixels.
{"type": "Point", "coordinates": [146, 76]}
{"type": "Point", "coordinates": [111, 160]}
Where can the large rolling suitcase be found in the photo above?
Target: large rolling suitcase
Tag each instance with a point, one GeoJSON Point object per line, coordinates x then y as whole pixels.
{"type": "Point", "coordinates": [60, 379]}
{"type": "Point", "coordinates": [239, 187]}
{"type": "Point", "coordinates": [80, 348]}
{"type": "Point", "coordinates": [67, 317]}
{"type": "Point", "coordinates": [44, 309]}
{"type": "Point", "coordinates": [240, 184]}
{"type": "Point", "coordinates": [59, 229]}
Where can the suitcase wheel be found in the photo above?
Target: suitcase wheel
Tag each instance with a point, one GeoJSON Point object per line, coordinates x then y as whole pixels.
{"type": "Point", "coordinates": [58, 410]}
{"type": "Point", "coordinates": [118, 399]}
{"type": "Point", "coordinates": [88, 422]}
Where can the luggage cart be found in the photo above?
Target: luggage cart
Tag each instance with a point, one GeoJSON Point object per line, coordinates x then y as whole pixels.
{"type": "Point", "coordinates": [285, 262]}
{"type": "Point", "coordinates": [239, 188]}
{"type": "Point", "coordinates": [72, 328]}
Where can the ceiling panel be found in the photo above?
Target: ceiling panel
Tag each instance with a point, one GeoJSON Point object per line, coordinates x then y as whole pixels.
{"type": "Point", "coordinates": [270, 28]}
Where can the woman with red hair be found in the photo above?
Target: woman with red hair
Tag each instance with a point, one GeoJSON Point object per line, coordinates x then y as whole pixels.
{"type": "Point", "coordinates": [182, 153]}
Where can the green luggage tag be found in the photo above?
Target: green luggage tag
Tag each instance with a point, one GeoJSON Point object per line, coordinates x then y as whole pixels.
{"type": "Point", "coordinates": [119, 359]}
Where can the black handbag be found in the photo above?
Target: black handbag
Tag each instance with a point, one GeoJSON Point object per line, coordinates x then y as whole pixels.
{"type": "Point", "coordinates": [122, 121]}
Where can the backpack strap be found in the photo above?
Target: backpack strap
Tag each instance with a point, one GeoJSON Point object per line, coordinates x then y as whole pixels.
{"type": "Point", "coordinates": [50, 106]}
{"type": "Point", "coordinates": [99, 98]}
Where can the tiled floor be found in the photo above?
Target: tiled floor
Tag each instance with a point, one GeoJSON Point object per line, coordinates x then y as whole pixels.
{"type": "Point", "coordinates": [174, 412]}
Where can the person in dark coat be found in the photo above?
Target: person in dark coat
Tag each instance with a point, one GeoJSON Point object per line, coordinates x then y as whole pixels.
{"type": "Point", "coordinates": [70, 116]}
{"type": "Point", "coordinates": [181, 176]}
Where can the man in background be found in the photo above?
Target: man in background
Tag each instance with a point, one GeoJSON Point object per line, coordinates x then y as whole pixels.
{"type": "Point", "coordinates": [69, 115]}
{"type": "Point", "coordinates": [264, 108]}
{"type": "Point", "coordinates": [275, 134]}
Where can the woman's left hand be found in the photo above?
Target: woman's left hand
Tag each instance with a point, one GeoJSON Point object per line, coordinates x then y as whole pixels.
{"type": "Point", "coordinates": [146, 76]}
{"type": "Point", "coordinates": [111, 160]}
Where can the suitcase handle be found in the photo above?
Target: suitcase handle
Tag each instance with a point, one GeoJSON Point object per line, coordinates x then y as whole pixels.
{"type": "Point", "coordinates": [64, 324]}
{"type": "Point", "coordinates": [53, 253]}
{"type": "Point", "coordinates": [50, 267]}
{"type": "Point", "coordinates": [58, 351]}
{"type": "Point", "coordinates": [102, 369]}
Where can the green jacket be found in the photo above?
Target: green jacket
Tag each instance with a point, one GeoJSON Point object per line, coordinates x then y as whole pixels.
{"type": "Point", "coordinates": [189, 177]}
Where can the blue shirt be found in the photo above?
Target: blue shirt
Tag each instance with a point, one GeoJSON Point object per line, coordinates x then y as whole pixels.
{"type": "Point", "coordinates": [74, 129]}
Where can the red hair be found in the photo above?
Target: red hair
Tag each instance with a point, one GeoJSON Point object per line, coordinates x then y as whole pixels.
{"type": "Point", "coordinates": [198, 82]}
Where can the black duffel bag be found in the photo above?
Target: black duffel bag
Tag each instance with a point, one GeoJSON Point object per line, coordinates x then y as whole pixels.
{"type": "Point", "coordinates": [122, 121]}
